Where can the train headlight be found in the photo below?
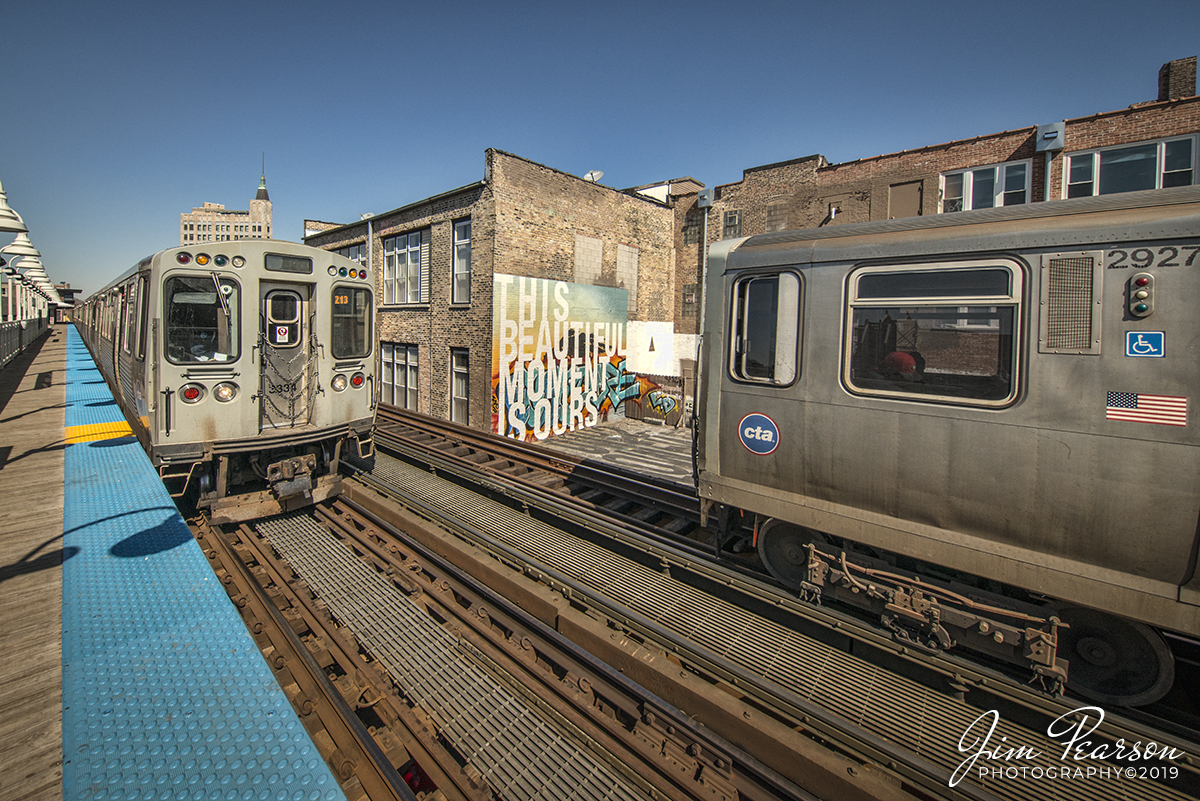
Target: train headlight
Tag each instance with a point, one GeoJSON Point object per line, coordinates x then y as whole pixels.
{"type": "Point", "coordinates": [339, 383]}
{"type": "Point", "coordinates": [225, 391]}
{"type": "Point", "coordinates": [357, 380]}
{"type": "Point", "coordinates": [332, 270]}
{"type": "Point", "coordinates": [238, 261]}
{"type": "Point", "coordinates": [192, 393]}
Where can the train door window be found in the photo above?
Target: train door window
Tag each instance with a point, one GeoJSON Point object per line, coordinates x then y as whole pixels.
{"type": "Point", "coordinates": [351, 335]}
{"type": "Point", "coordinates": [131, 316]}
{"type": "Point", "coordinates": [202, 318]}
{"type": "Point", "coordinates": [766, 326]}
{"type": "Point", "coordinates": [122, 319]}
{"type": "Point", "coordinates": [282, 318]}
{"type": "Point", "coordinates": [942, 333]}
{"type": "Point", "coordinates": [143, 316]}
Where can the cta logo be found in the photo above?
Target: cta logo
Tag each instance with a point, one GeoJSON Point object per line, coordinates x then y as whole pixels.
{"type": "Point", "coordinates": [759, 434]}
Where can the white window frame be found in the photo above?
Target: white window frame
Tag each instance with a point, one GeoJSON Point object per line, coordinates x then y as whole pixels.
{"type": "Point", "coordinates": [355, 253]}
{"type": "Point", "coordinates": [460, 277]}
{"type": "Point", "coordinates": [1003, 175]}
{"type": "Point", "coordinates": [1097, 157]}
{"type": "Point", "coordinates": [397, 360]}
{"type": "Point", "coordinates": [404, 268]}
{"type": "Point", "coordinates": [460, 404]}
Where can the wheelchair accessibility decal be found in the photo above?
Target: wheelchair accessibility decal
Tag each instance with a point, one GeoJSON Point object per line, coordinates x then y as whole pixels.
{"type": "Point", "coordinates": [1145, 344]}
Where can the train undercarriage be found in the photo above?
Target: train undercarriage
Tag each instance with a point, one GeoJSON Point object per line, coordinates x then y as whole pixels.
{"type": "Point", "coordinates": [1098, 656]}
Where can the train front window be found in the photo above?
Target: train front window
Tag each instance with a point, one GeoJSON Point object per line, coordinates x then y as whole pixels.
{"type": "Point", "coordinates": [766, 320]}
{"type": "Point", "coordinates": [945, 333]}
{"type": "Point", "coordinates": [351, 335]}
{"type": "Point", "coordinates": [202, 319]}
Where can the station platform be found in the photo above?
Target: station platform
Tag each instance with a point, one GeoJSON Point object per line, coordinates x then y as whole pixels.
{"type": "Point", "coordinates": [126, 672]}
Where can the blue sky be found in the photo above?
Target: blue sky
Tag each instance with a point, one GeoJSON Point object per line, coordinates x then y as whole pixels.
{"type": "Point", "coordinates": [118, 117]}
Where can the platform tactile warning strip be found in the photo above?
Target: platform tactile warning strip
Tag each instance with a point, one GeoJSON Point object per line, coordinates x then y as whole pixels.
{"type": "Point", "coordinates": [165, 694]}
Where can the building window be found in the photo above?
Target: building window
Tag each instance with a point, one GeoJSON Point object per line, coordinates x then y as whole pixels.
{"type": "Point", "coordinates": [1128, 168]}
{"type": "Point", "coordinates": [404, 268]}
{"type": "Point", "coordinates": [355, 253]}
{"type": "Point", "coordinates": [398, 383]}
{"type": "Point", "coordinates": [733, 224]}
{"type": "Point", "coordinates": [777, 215]}
{"type": "Point", "coordinates": [986, 187]}
{"type": "Point", "coordinates": [459, 386]}
{"type": "Point", "coordinates": [691, 227]}
{"type": "Point", "coordinates": [460, 284]}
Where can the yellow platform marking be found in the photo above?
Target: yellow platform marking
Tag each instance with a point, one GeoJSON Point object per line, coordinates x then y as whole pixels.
{"type": "Point", "coordinates": [97, 431]}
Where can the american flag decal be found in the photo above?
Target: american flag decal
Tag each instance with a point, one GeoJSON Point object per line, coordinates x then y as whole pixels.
{"type": "Point", "coordinates": [1134, 407]}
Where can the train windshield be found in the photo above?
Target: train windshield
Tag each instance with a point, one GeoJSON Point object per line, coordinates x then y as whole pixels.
{"type": "Point", "coordinates": [202, 325]}
{"type": "Point", "coordinates": [351, 335]}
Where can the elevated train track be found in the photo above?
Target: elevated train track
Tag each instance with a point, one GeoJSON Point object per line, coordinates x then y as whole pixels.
{"type": "Point", "coordinates": [886, 704]}
{"type": "Point", "coordinates": [464, 693]}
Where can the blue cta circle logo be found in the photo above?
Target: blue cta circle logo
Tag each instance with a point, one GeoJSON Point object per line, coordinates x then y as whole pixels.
{"type": "Point", "coordinates": [759, 434]}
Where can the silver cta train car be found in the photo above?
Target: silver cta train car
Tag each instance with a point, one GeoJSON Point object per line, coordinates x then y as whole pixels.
{"type": "Point", "coordinates": [980, 427]}
{"type": "Point", "coordinates": [243, 367]}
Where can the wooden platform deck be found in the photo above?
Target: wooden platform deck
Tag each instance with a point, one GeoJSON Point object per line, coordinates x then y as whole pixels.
{"type": "Point", "coordinates": [32, 404]}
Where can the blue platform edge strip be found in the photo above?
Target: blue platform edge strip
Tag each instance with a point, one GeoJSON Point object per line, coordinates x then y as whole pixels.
{"type": "Point", "coordinates": [165, 694]}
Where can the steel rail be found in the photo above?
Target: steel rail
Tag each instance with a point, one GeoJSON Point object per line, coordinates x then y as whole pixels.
{"type": "Point", "coordinates": [423, 745]}
{"type": "Point", "coordinates": [576, 678]}
{"type": "Point", "coordinates": [668, 497]}
{"type": "Point", "coordinates": [357, 756]}
{"type": "Point", "coordinates": [808, 715]}
{"type": "Point", "coordinates": [848, 737]}
{"type": "Point", "coordinates": [960, 674]}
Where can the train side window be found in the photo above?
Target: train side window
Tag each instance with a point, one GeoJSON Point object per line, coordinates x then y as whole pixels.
{"type": "Point", "coordinates": [766, 325]}
{"type": "Point", "coordinates": [351, 335]}
{"type": "Point", "coordinates": [943, 333]}
{"type": "Point", "coordinates": [202, 325]}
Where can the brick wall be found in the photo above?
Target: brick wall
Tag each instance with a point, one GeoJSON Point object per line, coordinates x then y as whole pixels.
{"type": "Point", "coordinates": [542, 215]}
{"type": "Point", "coordinates": [526, 219]}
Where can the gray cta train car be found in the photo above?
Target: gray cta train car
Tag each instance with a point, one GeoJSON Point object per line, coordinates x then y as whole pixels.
{"type": "Point", "coordinates": [243, 367]}
{"type": "Point", "coordinates": [979, 426]}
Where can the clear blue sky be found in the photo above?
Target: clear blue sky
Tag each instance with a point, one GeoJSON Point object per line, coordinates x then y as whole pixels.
{"type": "Point", "coordinates": [118, 116]}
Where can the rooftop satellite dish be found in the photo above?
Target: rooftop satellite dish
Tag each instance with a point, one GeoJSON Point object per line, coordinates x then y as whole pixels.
{"type": "Point", "coordinates": [593, 176]}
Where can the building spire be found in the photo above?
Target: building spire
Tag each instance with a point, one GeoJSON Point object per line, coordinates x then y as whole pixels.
{"type": "Point", "coordinates": [262, 182]}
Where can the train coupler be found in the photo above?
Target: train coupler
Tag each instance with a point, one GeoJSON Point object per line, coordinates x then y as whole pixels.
{"type": "Point", "coordinates": [292, 476]}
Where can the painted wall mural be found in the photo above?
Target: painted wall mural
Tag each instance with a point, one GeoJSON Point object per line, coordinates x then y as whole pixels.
{"type": "Point", "coordinates": [560, 356]}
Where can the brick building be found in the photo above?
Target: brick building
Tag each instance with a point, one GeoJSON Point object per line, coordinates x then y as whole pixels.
{"type": "Point", "coordinates": [531, 290]}
{"type": "Point", "coordinates": [1145, 146]}
{"type": "Point", "coordinates": [212, 222]}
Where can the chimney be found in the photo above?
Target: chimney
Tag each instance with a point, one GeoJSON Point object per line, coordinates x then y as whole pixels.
{"type": "Point", "coordinates": [1177, 79]}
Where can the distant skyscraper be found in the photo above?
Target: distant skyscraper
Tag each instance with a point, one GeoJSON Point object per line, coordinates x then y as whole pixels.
{"type": "Point", "coordinates": [212, 222]}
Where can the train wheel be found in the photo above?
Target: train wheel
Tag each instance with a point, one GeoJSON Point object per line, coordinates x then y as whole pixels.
{"type": "Point", "coordinates": [1112, 660]}
{"type": "Point", "coordinates": [781, 546]}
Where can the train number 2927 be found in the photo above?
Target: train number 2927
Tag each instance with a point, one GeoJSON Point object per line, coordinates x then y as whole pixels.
{"type": "Point", "coordinates": [1144, 258]}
